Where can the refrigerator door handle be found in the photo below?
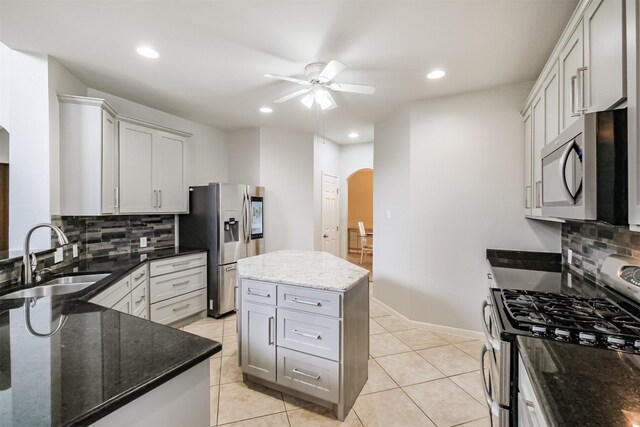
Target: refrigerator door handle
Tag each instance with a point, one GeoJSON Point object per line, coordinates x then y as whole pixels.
{"type": "Point", "coordinates": [244, 217]}
{"type": "Point", "coordinates": [247, 215]}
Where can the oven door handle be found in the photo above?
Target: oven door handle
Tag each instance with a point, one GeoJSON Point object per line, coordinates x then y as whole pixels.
{"type": "Point", "coordinates": [494, 342]}
{"type": "Point", "coordinates": [492, 404]}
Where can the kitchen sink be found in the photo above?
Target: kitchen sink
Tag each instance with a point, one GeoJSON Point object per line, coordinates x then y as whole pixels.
{"type": "Point", "coordinates": [60, 286]}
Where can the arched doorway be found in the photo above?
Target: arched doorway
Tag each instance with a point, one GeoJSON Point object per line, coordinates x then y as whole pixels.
{"type": "Point", "coordinates": [360, 209]}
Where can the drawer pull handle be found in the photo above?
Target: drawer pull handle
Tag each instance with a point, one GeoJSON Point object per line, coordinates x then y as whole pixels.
{"type": "Point", "coordinates": [529, 403]}
{"type": "Point", "coordinates": [308, 335]}
{"type": "Point", "coordinates": [304, 374]}
{"type": "Point", "coordinates": [271, 334]}
{"type": "Point", "coordinates": [178, 264]}
{"type": "Point", "coordinates": [139, 276]}
{"type": "Point", "coordinates": [182, 307]}
{"type": "Point", "coordinates": [140, 300]}
{"type": "Point", "coordinates": [186, 282]}
{"type": "Point", "coordinates": [229, 268]}
{"type": "Point", "coordinates": [301, 301]}
{"type": "Point", "coordinates": [258, 294]}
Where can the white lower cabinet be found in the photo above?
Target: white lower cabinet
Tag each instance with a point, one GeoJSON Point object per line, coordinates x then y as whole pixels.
{"type": "Point", "coordinates": [529, 409]}
{"type": "Point", "coordinates": [164, 291]}
{"type": "Point", "coordinates": [259, 341]}
{"type": "Point", "coordinates": [311, 343]}
{"type": "Point", "coordinates": [178, 288]}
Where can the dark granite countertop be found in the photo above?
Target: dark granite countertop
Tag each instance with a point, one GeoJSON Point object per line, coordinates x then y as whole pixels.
{"type": "Point", "coordinates": [98, 361]}
{"type": "Point", "coordinates": [582, 386]}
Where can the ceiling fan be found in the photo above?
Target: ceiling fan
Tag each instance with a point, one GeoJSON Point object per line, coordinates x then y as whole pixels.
{"type": "Point", "coordinates": [318, 85]}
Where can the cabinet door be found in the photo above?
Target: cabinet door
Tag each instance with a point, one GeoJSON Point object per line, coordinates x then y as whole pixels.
{"type": "Point", "coordinates": [259, 340]}
{"type": "Point", "coordinates": [109, 164]}
{"type": "Point", "coordinates": [124, 305]}
{"type": "Point", "coordinates": [527, 163]}
{"type": "Point", "coordinates": [170, 170]}
{"type": "Point", "coordinates": [571, 59]}
{"type": "Point", "coordinates": [136, 169]}
{"type": "Point", "coordinates": [537, 136]}
{"type": "Point", "coordinates": [551, 106]}
{"type": "Point", "coordinates": [604, 50]}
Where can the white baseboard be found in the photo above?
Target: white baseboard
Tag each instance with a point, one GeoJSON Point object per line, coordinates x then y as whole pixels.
{"type": "Point", "coordinates": [436, 328]}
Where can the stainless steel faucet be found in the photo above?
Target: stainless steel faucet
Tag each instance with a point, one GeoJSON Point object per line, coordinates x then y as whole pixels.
{"type": "Point", "coordinates": [26, 260]}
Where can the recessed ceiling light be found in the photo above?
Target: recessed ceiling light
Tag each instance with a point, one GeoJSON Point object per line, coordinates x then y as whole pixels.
{"type": "Point", "coordinates": [436, 74]}
{"type": "Point", "coordinates": [147, 52]}
{"type": "Point", "coordinates": [266, 110]}
{"type": "Point", "coordinates": [353, 135]}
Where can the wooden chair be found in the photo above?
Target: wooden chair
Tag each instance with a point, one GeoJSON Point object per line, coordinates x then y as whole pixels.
{"type": "Point", "coordinates": [364, 242]}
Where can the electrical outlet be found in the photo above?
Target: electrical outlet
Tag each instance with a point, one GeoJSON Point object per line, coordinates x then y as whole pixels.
{"type": "Point", "coordinates": [75, 250]}
{"type": "Point", "coordinates": [143, 242]}
{"type": "Point", "coordinates": [569, 256]}
{"type": "Point", "coordinates": [59, 256]}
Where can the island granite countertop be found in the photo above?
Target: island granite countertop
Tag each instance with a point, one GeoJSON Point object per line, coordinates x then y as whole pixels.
{"type": "Point", "coordinates": [308, 269]}
{"type": "Point", "coordinates": [98, 361]}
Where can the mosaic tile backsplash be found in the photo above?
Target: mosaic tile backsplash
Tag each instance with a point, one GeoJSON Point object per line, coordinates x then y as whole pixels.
{"type": "Point", "coordinates": [98, 236]}
{"type": "Point", "coordinates": [112, 235]}
{"type": "Point", "coordinates": [591, 243]}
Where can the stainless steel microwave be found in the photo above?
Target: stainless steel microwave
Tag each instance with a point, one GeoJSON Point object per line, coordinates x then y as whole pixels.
{"type": "Point", "coordinates": [584, 170]}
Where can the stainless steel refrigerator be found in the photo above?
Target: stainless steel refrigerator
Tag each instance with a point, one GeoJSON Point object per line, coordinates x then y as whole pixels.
{"type": "Point", "coordinates": [228, 220]}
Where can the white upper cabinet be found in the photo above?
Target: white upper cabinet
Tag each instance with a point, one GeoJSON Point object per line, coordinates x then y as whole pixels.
{"type": "Point", "coordinates": [88, 156]}
{"type": "Point", "coordinates": [153, 170]}
{"type": "Point", "coordinates": [571, 60]}
{"type": "Point", "coordinates": [171, 172]}
{"type": "Point", "coordinates": [551, 91]}
{"type": "Point", "coordinates": [137, 193]}
{"type": "Point", "coordinates": [528, 150]}
{"type": "Point", "coordinates": [604, 81]}
{"type": "Point", "coordinates": [538, 139]}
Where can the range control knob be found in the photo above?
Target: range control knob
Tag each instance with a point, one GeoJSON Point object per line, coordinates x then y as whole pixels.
{"type": "Point", "coordinates": [587, 337]}
{"type": "Point", "coordinates": [562, 333]}
{"type": "Point", "coordinates": [616, 341]}
{"type": "Point", "coordinates": [539, 330]}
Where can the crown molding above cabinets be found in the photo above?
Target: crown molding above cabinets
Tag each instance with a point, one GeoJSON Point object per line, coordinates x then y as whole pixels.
{"type": "Point", "coordinates": [106, 164]}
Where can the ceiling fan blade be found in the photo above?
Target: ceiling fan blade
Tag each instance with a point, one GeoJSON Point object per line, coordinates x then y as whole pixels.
{"type": "Point", "coordinates": [348, 87]}
{"type": "Point", "coordinates": [329, 103]}
{"type": "Point", "coordinates": [288, 79]}
{"type": "Point", "coordinates": [330, 70]}
{"type": "Point", "coordinates": [291, 95]}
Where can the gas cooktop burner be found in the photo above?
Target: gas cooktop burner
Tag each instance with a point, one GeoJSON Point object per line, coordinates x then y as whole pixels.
{"type": "Point", "coordinates": [593, 321]}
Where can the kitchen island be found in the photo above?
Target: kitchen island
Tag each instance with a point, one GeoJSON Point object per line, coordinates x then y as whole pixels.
{"type": "Point", "coordinates": [304, 326]}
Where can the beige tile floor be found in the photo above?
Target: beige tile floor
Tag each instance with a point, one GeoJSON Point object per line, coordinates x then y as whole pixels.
{"type": "Point", "coordinates": [417, 377]}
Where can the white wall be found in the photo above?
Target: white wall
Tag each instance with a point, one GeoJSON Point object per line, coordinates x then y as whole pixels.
{"type": "Point", "coordinates": [4, 86]}
{"type": "Point", "coordinates": [465, 172]}
{"type": "Point", "coordinates": [244, 156]}
{"type": "Point", "coordinates": [391, 206]}
{"type": "Point", "coordinates": [208, 156]}
{"type": "Point", "coordinates": [29, 198]}
{"type": "Point", "coordinates": [286, 172]}
{"type": "Point", "coordinates": [61, 82]}
{"type": "Point", "coordinates": [353, 157]}
{"type": "Point", "coordinates": [326, 159]}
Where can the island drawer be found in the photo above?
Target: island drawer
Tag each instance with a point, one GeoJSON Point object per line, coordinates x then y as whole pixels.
{"type": "Point", "coordinates": [177, 308]}
{"type": "Point", "coordinates": [260, 292]}
{"type": "Point", "coordinates": [171, 265]}
{"type": "Point", "coordinates": [318, 336]}
{"type": "Point", "coordinates": [174, 284]}
{"type": "Point", "coordinates": [308, 374]}
{"type": "Point", "coordinates": [113, 294]}
{"type": "Point", "coordinates": [313, 301]}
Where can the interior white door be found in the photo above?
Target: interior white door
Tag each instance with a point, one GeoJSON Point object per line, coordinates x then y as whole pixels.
{"type": "Point", "coordinates": [171, 182]}
{"type": "Point", "coordinates": [136, 169]}
{"type": "Point", "coordinates": [330, 214]}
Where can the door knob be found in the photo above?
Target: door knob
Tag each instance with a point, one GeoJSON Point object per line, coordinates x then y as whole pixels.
{"type": "Point", "coordinates": [325, 236]}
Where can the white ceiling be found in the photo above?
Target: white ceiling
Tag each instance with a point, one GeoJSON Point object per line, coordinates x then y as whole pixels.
{"type": "Point", "coordinates": [214, 53]}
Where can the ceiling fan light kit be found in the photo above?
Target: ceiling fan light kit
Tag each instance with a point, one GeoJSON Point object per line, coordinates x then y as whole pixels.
{"type": "Point", "coordinates": [319, 86]}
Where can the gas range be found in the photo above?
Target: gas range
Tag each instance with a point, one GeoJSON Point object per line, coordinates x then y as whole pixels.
{"type": "Point", "coordinates": [608, 318]}
{"type": "Point", "coordinates": [597, 322]}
